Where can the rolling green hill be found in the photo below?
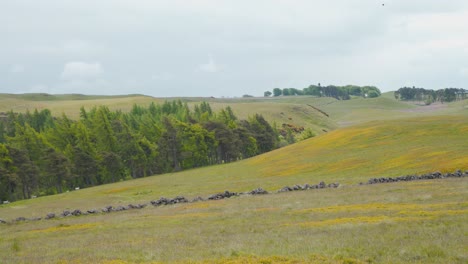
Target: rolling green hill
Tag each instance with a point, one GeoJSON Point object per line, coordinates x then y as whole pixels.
{"type": "Point", "coordinates": [420, 222]}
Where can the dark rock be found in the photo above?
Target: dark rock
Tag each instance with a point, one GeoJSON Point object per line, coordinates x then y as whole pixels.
{"type": "Point", "coordinates": [258, 191]}
{"type": "Point", "coordinates": [138, 206]}
{"type": "Point", "coordinates": [76, 212]}
{"type": "Point", "coordinates": [223, 195]}
{"type": "Point", "coordinates": [322, 185]}
{"type": "Point", "coordinates": [92, 211]}
{"type": "Point", "coordinates": [160, 201]}
{"type": "Point", "coordinates": [297, 187]}
{"type": "Point", "coordinates": [107, 209]}
{"type": "Point", "coordinates": [197, 199]}
{"type": "Point", "coordinates": [285, 189]}
{"type": "Point", "coordinates": [66, 213]}
{"type": "Point", "coordinates": [2, 221]}
{"type": "Point", "coordinates": [120, 208]}
{"type": "Point", "coordinates": [427, 176]}
{"type": "Point", "coordinates": [19, 219]}
{"type": "Point", "coordinates": [50, 216]}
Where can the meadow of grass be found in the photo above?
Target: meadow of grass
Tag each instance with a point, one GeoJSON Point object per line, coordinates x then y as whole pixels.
{"type": "Point", "coordinates": [420, 222]}
{"type": "Point", "coordinates": [349, 156]}
{"type": "Point", "coordinates": [70, 105]}
{"type": "Point", "coordinates": [411, 222]}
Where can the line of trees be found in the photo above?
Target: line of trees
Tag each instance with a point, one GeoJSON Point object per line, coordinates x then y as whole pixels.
{"type": "Point", "coordinates": [41, 154]}
{"type": "Point", "coordinates": [337, 92]}
{"type": "Point", "coordinates": [429, 96]}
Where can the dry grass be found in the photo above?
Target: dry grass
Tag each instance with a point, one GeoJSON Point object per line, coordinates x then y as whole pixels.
{"type": "Point", "coordinates": [413, 222]}
{"type": "Point", "coordinates": [387, 223]}
{"type": "Point", "coordinates": [348, 156]}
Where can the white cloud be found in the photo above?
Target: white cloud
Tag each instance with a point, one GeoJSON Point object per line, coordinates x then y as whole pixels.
{"type": "Point", "coordinates": [78, 70]}
{"type": "Point", "coordinates": [210, 67]}
{"type": "Point", "coordinates": [36, 88]}
{"type": "Point", "coordinates": [464, 71]}
{"type": "Point", "coordinates": [163, 76]}
{"type": "Point", "coordinates": [17, 68]}
{"type": "Point", "coordinates": [290, 43]}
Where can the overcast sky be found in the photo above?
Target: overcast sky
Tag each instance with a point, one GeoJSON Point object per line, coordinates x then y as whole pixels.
{"type": "Point", "coordinates": [229, 48]}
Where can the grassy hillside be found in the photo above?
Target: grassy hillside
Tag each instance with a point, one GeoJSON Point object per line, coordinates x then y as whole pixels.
{"type": "Point", "coordinates": [296, 110]}
{"type": "Point", "coordinates": [69, 104]}
{"type": "Point", "coordinates": [418, 222]}
{"type": "Point", "coordinates": [415, 222]}
{"type": "Point", "coordinates": [348, 156]}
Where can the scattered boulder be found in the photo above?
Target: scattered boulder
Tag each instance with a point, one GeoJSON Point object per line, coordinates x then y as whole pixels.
{"type": "Point", "coordinates": [50, 216]}
{"type": "Point", "coordinates": [219, 196]}
{"type": "Point", "coordinates": [286, 189]}
{"type": "Point", "coordinates": [160, 201]}
{"type": "Point", "coordinates": [179, 199]}
{"type": "Point", "coordinates": [76, 212]}
{"type": "Point", "coordinates": [197, 199]}
{"type": "Point", "coordinates": [107, 209]}
{"type": "Point", "coordinates": [2, 221]}
{"type": "Point", "coordinates": [258, 191]}
{"type": "Point", "coordinates": [166, 201]}
{"type": "Point", "coordinates": [19, 219]}
{"type": "Point", "coordinates": [428, 176]}
{"type": "Point", "coordinates": [92, 211]}
{"type": "Point", "coordinates": [322, 185]}
{"type": "Point", "coordinates": [65, 213]}
{"type": "Point", "coordinates": [297, 187]}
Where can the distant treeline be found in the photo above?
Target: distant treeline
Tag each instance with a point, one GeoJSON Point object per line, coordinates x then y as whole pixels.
{"type": "Point", "coordinates": [430, 96]}
{"type": "Point", "coordinates": [338, 92]}
{"type": "Point", "coordinates": [41, 154]}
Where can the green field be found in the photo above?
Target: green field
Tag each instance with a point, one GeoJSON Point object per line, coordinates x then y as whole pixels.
{"type": "Point", "coordinates": [411, 222]}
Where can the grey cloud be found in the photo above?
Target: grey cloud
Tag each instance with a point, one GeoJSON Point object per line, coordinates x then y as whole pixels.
{"type": "Point", "coordinates": [159, 47]}
{"type": "Point", "coordinates": [78, 70]}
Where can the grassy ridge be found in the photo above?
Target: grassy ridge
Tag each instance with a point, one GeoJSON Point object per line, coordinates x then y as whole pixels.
{"type": "Point", "coordinates": [389, 148]}
{"type": "Point", "coordinates": [348, 156]}
{"type": "Point", "coordinates": [71, 107]}
{"type": "Point", "coordinates": [419, 222]}
{"type": "Point", "coordinates": [279, 111]}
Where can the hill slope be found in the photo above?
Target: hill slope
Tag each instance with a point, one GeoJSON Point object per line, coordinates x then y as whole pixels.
{"type": "Point", "coordinates": [421, 221]}
{"type": "Point", "coordinates": [348, 156]}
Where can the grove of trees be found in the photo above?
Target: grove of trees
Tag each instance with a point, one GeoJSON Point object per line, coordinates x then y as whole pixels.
{"type": "Point", "coordinates": [429, 96]}
{"type": "Point", "coordinates": [338, 92]}
{"type": "Point", "coordinates": [41, 154]}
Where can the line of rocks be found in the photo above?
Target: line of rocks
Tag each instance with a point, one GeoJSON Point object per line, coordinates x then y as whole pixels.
{"type": "Point", "coordinates": [428, 176]}
{"type": "Point", "coordinates": [227, 194]}
{"type": "Point", "coordinates": [321, 185]}
{"type": "Point", "coordinates": [168, 201]}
